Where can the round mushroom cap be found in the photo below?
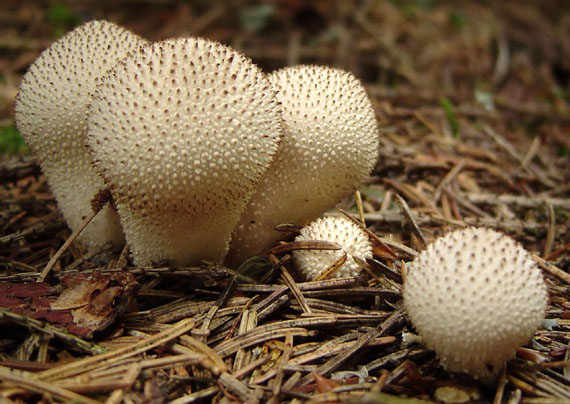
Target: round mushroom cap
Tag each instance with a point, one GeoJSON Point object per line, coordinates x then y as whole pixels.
{"type": "Point", "coordinates": [330, 146]}
{"type": "Point", "coordinates": [340, 230]}
{"type": "Point", "coordinates": [182, 131]}
{"type": "Point", "coordinates": [475, 296]}
{"type": "Point", "coordinates": [50, 112]}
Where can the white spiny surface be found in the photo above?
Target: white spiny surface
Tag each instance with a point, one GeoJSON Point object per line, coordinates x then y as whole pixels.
{"type": "Point", "coordinates": [353, 239]}
{"type": "Point", "coordinates": [475, 296]}
{"type": "Point", "coordinates": [330, 146]}
{"type": "Point", "coordinates": [51, 109]}
{"type": "Point", "coordinates": [183, 131]}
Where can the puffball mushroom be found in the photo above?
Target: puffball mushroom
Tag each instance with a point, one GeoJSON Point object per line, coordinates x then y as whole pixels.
{"type": "Point", "coordinates": [340, 230]}
{"type": "Point", "coordinates": [475, 296]}
{"type": "Point", "coordinates": [51, 109]}
{"type": "Point", "coordinates": [182, 131]}
{"type": "Point", "coordinates": [330, 146]}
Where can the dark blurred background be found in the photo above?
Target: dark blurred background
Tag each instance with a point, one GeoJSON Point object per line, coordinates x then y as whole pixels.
{"type": "Point", "coordinates": [409, 52]}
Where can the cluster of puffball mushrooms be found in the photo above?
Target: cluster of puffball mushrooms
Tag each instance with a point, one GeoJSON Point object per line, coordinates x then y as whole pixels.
{"type": "Point", "coordinates": [204, 154]}
{"type": "Point", "coordinates": [197, 145]}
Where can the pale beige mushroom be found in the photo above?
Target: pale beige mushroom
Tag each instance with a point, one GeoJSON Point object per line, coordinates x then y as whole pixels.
{"type": "Point", "coordinates": [51, 109]}
{"type": "Point", "coordinates": [330, 146]}
{"type": "Point", "coordinates": [354, 241]}
{"type": "Point", "coordinates": [475, 296]}
{"type": "Point", "coordinates": [182, 131]}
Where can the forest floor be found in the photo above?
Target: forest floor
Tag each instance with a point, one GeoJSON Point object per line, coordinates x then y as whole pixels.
{"type": "Point", "coordinates": [473, 103]}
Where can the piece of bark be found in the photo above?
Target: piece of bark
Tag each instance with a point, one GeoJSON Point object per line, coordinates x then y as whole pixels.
{"type": "Point", "coordinates": [87, 304]}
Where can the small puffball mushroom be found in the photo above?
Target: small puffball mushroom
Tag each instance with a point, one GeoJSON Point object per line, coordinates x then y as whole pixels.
{"type": "Point", "coordinates": [475, 296]}
{"type": "Point", "coordinates": [50, 111]}
{"type": "Point", "coordinates": [330, 146]}
{"type": "Point", "coordinates": [340, 230]}
{"type": "Point", "coordinates": [182, 132]}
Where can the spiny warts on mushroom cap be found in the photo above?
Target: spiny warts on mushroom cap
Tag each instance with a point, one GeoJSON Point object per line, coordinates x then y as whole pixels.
{"type": "Point", "coordinates": [353, 239]}
{"type": "Point", "coordinates": [475, 296]}
{"type": "Point", "coordinates": [330, 145]}
{"type": "Point", "coordinates": [51, 109]}
{"type": "Point", "coordinates": [183, 131]}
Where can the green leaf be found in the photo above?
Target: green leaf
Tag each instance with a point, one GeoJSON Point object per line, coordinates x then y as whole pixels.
{"type": "Point", "coordinates": [11, 142]}
{"type": "Point", "coordinates": [256, 18]}
{"type": "Point", "coordinates": [62, 18]}
{"type": "Point", "coordinates": [457, 20]}
{"type": "Point", "coordinates": [448, 109]}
